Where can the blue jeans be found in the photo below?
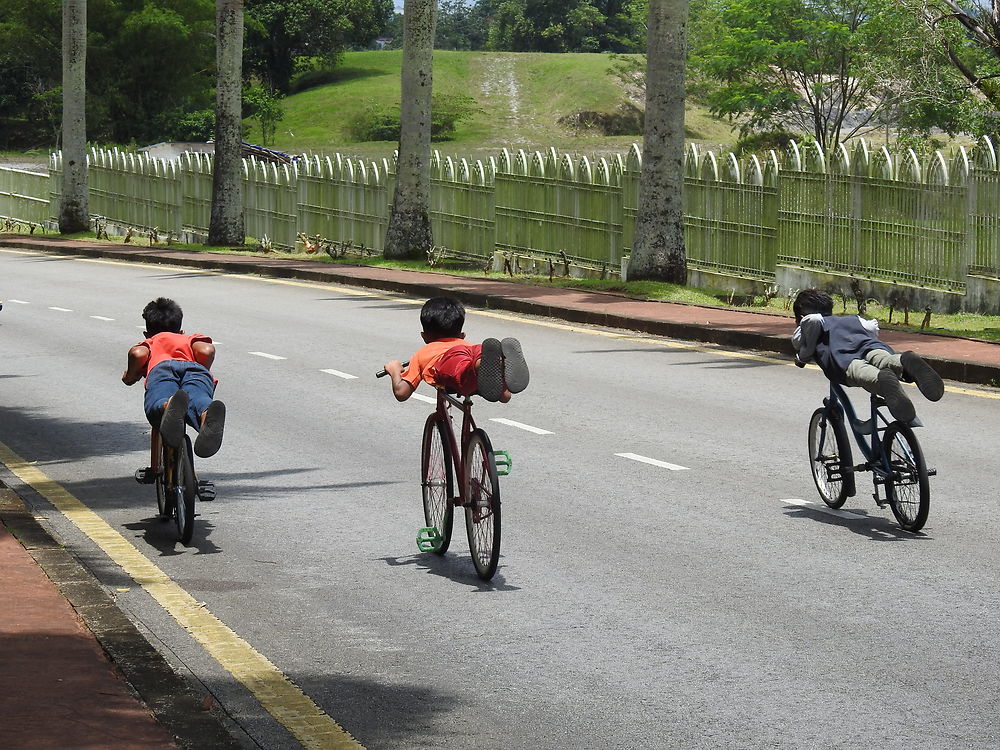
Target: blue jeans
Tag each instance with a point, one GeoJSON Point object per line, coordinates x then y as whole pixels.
{"type": "Point", "coordinates": [173, 375]}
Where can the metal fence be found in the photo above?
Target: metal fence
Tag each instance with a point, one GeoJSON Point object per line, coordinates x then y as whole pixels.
{"type": "Point", "coordinates": [861, 211]}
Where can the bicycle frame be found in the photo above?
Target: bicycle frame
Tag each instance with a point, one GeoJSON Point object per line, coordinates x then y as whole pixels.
{"type": "Point", "coordinates": [456, 448]}
{"type": "Point", "coordinates": [867, 433]}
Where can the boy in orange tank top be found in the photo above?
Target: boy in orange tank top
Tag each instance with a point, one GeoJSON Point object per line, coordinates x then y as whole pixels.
{"type": "Point", "coordinates": [179, 386]}
{"type": "Point", "coordinates": [493, 369]}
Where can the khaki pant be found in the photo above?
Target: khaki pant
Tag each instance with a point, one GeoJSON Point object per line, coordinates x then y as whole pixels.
{"type": "Point", "coordinates": [864, 372]}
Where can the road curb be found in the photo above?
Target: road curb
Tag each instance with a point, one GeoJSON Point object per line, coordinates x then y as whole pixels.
{"type": "Point", "coordinates": [167, 695]}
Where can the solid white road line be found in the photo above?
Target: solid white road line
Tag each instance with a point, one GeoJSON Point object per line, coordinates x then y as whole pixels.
{"type": "Point", "coordinates": [265, 355]}
{"type": "Point", "coordinates": [822, 507]}
{"type": "Point", "coordinates": [101, 317]}
{"type": "Point", "coordinates": [60, 309]}
{"type": "Point", "coordinates": [339, 374]}
{"type": "Point", "coordinates": [653, 461]}
{"type": "Point", "coordinates": [521, 426]}
{"type": "Point", "coordinates": [422, 397]}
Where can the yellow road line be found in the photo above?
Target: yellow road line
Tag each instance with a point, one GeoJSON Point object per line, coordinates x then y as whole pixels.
{"type": "Point", "coordinates": [659, 341]}
{"type": "Point", "coordinates": [279, 696]}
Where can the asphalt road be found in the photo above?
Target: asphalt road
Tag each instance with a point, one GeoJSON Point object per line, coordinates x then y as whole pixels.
{"type": "Point", "coordinates": [705, 600]}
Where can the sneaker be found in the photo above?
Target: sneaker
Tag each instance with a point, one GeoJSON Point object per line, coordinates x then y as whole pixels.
{"type": "Point", "coordinates": [209, 438]}
{"type": "Point", "coordinates": [172, 423]}
{"type": "Point", "coordinates": [515, 369]}
{"type": "Point", "coordinates": [928, 381]}
{"type": "Point", "coordinates": [896, 399]}
{"type": "Point", "coordinates": [490, 373]}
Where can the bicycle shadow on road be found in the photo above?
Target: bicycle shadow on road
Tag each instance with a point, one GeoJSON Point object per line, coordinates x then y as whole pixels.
{"type": "Point", "coordinates": [876, 528]}
{"type": "Point", "coordinates": [453, 567]}
{"type": "Point", "coordinates": [162, 536]}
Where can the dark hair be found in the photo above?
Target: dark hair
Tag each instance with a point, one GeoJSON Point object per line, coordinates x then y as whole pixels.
{"type": "Point", "coordinates": [810, 301]}
{"type": "Point", "coordinates": [442, 317]}
{"type": "Point", "coordinates": [162, 315]}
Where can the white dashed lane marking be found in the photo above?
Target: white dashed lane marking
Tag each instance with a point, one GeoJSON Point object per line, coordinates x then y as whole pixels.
{"type": "Point", "coordinates": [426, 399]}
{"type": "Point", "coordinates": [339, 374]}
{"type": "Point", "coordinates": [60, 309]}
{"type": "Point", "coordinates": [653, 461]}
{"type": "Point", "coordinates": [521, 426]}
{"type": "Point", "coordinates": [101, 317]}
{"type": "Point", "coordinates": [19, 301]}
{"type": "Point", "coordinates": [265, 355]}
{"type": "Point", "coordinates": [823, 508]}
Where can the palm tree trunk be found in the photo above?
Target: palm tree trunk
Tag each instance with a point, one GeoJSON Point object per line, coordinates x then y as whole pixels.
{"type": "Point", "coordinates": [74, 215]}
{"type": "Point", "coordinates": [658, 249]}
{"type": "Point", "coordinates": [409, 232]}
{"type": "Point", "coordinates": [226, 226]}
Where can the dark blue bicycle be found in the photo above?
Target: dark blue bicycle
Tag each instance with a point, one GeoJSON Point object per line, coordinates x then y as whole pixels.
{"type": "Point", "coordinates": [892, 454]}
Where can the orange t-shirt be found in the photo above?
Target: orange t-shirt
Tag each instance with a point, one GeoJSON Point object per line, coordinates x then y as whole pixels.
{"type": "Point", "coordinates": [422, 363]}
{"type": "Point", "coordinates": [164, 347]}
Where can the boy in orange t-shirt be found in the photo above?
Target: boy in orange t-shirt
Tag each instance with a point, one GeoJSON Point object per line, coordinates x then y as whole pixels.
{"type": "Point", "coordinates": [179, 386]}
{"type": "Point", "coordinates": [494, 369]}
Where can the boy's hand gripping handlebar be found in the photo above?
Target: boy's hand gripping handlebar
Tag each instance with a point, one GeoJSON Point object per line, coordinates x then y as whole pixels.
{"type": "Point", "coordinates": [383, 373]}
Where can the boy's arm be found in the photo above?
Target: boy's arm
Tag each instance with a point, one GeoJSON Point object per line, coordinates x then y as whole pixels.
{"type": "Point", "coordinates": [204, 353]}
{"type": "Point", "coordinates": [138, 356]}
{"type": "Point", "coordinates": [806, 336]}
{"type": "Point", "coordinates": [401, 389]}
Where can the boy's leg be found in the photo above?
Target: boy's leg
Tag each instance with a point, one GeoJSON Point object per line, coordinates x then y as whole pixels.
{"type": "Point", "coordinates": [884, 383]}
{"type": "Point", "coordinates": [172, 422]}
{"type": "Point", "coordinates": [928, 381]}
{"type": "Point", "coordinates": [490, 370]}
{"type": "Point", "coordinates": [515, 369]}
{"type": "Point", "coordinates": [205, 414]}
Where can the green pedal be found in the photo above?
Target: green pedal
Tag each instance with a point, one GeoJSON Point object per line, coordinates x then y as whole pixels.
{"type": "Point", "coordinates": [428, 539]}
{"type": "Point", "coordinates": [503, 462]}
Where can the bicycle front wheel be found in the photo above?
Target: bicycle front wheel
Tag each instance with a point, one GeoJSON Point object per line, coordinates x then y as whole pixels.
{"type": "Point", "coordinates": [436, 482]}
{"type": "Point", "coordinates": [830, 458]}
{"type": "Point", "coordinates": [908, 490]}
{"type": "Point", "coordinates": [482, 510]}
{"type": "Point", "coordinates": [185, 490]}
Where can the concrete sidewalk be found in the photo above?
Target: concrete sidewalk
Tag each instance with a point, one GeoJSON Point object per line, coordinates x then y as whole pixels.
{"type": "Point", "coordinates": [71, 663]}
{"type": "Point", "coordinates": [959, 359]}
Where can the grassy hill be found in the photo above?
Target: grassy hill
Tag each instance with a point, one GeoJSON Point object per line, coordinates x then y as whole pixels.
{"type": "Point", "coordinates": [520, 99]}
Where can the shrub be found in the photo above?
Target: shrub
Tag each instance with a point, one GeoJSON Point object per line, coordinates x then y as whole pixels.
{"type": "Point", "coordinates": [380, 122]}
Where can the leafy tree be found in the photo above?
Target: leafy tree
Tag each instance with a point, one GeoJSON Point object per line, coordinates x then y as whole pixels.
{"type": "Point", "coordinates": [658, 247]}
{"type": "Point", "coordinates": [409, 232]}
{"type": "Point", "coordinates": [264, 107]}
{"type": "Point", "coordinates": [563, 25]}
{"type": "Point", "coordinates": [280, 31]}
{"type": "Point", "coordinates": [460, 26]}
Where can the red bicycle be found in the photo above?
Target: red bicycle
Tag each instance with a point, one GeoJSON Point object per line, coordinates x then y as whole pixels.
{"type": "Point", "coordinates": [468, 457]}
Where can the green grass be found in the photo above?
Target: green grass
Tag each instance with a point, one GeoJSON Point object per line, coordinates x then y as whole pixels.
{"type": "Point", "coordinates": [519, 98]}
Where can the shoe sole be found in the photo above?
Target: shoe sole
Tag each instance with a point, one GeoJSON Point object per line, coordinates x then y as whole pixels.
{"type": "Point", "coordinates": [928, 381]}
{"type": "Point", "coordinates": [490, 374]}
{"type": "Point", "coordinates": [514, 367]}
{"type": "Point", "coordinates": [210, 437]}
{"type": "Point", "coordinates": [172, 425]}
{"type": "Point", "coordinates": [896, 399]}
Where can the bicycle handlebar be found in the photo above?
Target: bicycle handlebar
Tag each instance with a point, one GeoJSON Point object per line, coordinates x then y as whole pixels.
{"type": "Point", "coordinates": [383, 373]}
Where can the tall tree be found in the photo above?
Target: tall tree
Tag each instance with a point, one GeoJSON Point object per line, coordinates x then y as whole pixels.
{"type": "Point", "coordinates": [658, 248]}
{"type": "Point", "coordinates": [74, 215]}
{"type": "Point", "coordinates": [409, 232]}
{"type": "Point", "coordinates": [227, 227]}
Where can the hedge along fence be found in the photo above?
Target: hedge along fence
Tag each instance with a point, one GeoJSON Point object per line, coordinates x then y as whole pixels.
{"type": "Point", "coordinates": [861, 212]}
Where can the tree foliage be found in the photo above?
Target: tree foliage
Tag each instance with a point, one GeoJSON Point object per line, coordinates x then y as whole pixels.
{"type": "Point", "coordinates": [280, 31]}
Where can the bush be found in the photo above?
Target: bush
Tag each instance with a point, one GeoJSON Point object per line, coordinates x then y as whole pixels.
{"type": "Point", "coordinates": [380, 122]}
{"type": "Point", "coordinates": [759, 142]}
{"type": "Point", "coordinates": [193, 126]}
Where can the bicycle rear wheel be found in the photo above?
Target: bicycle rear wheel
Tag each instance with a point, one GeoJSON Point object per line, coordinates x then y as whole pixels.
{"type": "Point", "coordinates": [436, 482]}
{"type": "Point", "coordinates": [482, 512]}
{"type": "Point", "coordinates": [830, 458]}
{"type": "Point", "coordinates": [184, 491]}
{"type": "Point", "coordinates": [164, 499]}
{"type": "Point", "coordinates": [908, 490]}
